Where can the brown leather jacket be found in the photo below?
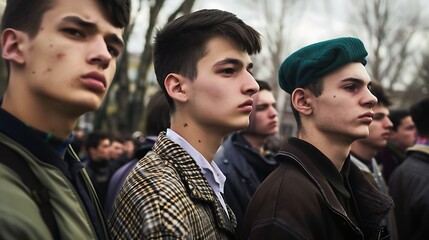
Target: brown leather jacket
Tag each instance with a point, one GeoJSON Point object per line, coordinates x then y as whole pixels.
{"type": "Point", "coordinates": [297, 202]}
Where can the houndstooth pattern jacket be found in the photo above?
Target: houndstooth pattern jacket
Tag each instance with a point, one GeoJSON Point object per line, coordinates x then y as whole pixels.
{"type": "Point", "coordinates": [167, 197]}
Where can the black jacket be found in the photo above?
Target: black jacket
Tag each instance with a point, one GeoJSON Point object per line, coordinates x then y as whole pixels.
{"type": "Point", "coordinates": [409, 187]}
{"type": "Point", "coordinates": [244, 169]}
{"type": "Point", "coordinates": [298, 201]}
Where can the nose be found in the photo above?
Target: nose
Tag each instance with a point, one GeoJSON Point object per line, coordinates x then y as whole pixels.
{"type": "Point", "coordinates": [273, 112]}
{"type": "Point", "coordinates": [99, 53]}
{"type": "Point", "coordinates": [250, 86]}
{"type": "Point", "coordinates": [387, 123]}
{"type": "Point", "coordinates": [369, 99]}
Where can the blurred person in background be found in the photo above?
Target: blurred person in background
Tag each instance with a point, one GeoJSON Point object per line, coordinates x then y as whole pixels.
{"type": "Point", "coordinates": [157, 120]}
{"type": "Point", "coordinates": [409, 182]}
{"type": "Point", "coordinates": [243, 156]}
{"type": "Point", "coordinates": [98, 164]}
{"type": "Point", "coordinates": [402, 136]}
{"type": "Point", "coordinates": [363, 152]}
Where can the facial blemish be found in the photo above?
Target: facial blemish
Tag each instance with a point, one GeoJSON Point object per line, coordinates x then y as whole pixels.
{"type": "Point", "coordinates": [60, 56]}
{"type": "Point", "coordinates": [51, 45]}
{"type": "Point", "coordinates": [199, 141]}
{"type": "Point", "coordinates": [185, 125]}
{"type": "Point", "coordinates": [48, 70]}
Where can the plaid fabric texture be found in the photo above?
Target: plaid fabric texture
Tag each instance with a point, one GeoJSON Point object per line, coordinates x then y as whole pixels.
{"type": "Point", "coordinates": [167, 197]}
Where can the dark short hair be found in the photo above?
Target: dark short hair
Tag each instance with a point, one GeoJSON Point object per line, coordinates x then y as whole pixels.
{"type": "Point", "coordinates": [263, 85]}
{"type": "Point", "coordinates": [378, 91]}
{"type": "Point", "coordinates": [396, 117]}
{"type": "Point", "coordinates": [420, 115]}
{"type": "Point", "coordinates": [182, 43]}
{"type": "Point", "coordinates": [26, 16]}
{"type": "Point", "coordinates": [157, 114]}
{"type": "Point", "coordinates": [93, 139]}
{"type": "Point", "coordinates": [316, 88]}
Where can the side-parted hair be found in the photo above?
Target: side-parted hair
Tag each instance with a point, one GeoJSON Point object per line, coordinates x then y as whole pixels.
{"type": "Point", "coordinates": [420, 114]}
{"type": "Point", "coordinates": [182, 42]}
{"type": "Point", "coordinates": [26, 16]}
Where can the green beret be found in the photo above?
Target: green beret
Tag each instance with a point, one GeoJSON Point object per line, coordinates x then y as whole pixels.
{"type": "Point", "coordinates": [317, 60]}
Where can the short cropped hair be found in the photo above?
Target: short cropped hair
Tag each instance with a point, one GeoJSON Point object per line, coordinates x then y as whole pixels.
{"type": "Point", "coordinates": [26, 16]}
{"type": "Point", "coordinates": [396, 117]}
{"type": "Point", "coordinates": [420, 115]}
{"type": "Point", "coordinates": [378, 91]}
{"type": "Point", "coordinates": [263, 85]}
{"type": "Point", "coordinates": [182, 43]}
{"type": "Point", "coordinates": [157, 114]}
{"type": "Point", "coordinates": [93, 139]}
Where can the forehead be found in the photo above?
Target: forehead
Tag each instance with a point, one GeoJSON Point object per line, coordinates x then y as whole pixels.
{"type": "Point", "coordinates": [93, 13]}
{"type": "Point", "coordinates": [406, 121]}
{"type": "Point", "coordinates": [380, 109]}
{"type": "Point", "coordinates": [265, 96]}
{"type": "Point", "coordinates": [218, 49]}
{"type": "Point", "coordinates": [349, 71]}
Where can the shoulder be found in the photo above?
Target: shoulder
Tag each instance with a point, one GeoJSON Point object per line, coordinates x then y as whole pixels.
{"type": "Point", "coordinates": [19, 214]}
{"type": "Point", "coordinates": [154, 194]}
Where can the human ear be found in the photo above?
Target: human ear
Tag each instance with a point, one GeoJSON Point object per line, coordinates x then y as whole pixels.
{"type": "Point", "coordinates": [175, 85]}
{"type": "Point", "coordinates": [302, 101]}
{"type": "Point", "coordinates": [12, 45]}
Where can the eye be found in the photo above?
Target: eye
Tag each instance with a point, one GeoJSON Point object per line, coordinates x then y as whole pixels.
{"type": "Point", "coordinates": [351, 88]}
{"type": "Point", "coordinates": [379, 116]}
{"type": "Point", "coordinates": [113, 51]}
{"type": "Point", "coordinates": [74, 32]}
{"type": "Point", "coordinates": [228, 71]}
{"type": "Point", "coordinates": [262, 107]}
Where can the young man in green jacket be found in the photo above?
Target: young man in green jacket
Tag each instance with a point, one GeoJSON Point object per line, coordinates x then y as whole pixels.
{"type": "Point", "coordinates": [61, 60]}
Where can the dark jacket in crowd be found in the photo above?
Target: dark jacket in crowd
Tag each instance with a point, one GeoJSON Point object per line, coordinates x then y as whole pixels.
{"type": "Point", "coordinates": [307, 198]}
{"type": "Point", "coordinates": [121, 174]}
{"type": "Point", "coordinates": [244, 169]}
{"type": "Point", "coordinates": [409, 187]}
{"type": "Point", "coordinates": [389, 157]}
{"type": "Point", "coordinates": [100, 173]}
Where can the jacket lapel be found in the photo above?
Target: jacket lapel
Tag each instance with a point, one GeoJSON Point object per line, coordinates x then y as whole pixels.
{"type": "Point", "coordinates": [194, 181]}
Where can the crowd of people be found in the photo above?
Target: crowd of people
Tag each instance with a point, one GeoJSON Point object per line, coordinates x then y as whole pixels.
{"type": "Point", "coordinates": [206, 167]}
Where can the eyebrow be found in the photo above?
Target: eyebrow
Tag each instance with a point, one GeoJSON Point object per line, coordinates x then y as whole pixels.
{"type": "Point", "coordinates": [93, 27]}
{"type": "Point", "coordinates": [356, 81]}
{"type": "Point", "coordinates": [233, 61]}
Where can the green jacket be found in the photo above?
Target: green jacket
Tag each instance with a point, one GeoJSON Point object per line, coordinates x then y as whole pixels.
{"type": "Point", "coordinates": [20, 217]}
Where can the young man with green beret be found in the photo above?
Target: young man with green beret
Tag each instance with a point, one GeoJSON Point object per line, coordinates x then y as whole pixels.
{"type": "Point", "coordinates": [316, 192]}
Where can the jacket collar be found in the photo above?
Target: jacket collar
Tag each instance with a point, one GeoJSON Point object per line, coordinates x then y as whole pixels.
{"type": "Point", "coordinates": [372, 204]}
{"type": "Point", "coordinates": [194, 181]}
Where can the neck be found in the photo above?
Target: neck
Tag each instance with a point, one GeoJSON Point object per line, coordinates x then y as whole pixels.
{"type": "Point", "coordinates": [39, 116]}
{"type": "Point", "coordinates": [204, 139]}
{"type": "Point", "coordinates": [364, 152]}
{"type": "Point", "coordinates": [335, 148]}
{"type": "Point", "coordinates": [257, 142]}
